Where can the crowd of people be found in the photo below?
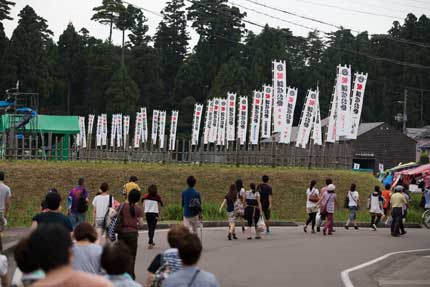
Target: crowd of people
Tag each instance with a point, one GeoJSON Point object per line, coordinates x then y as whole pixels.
{"type": "Point", "coordinates": [66, 249]}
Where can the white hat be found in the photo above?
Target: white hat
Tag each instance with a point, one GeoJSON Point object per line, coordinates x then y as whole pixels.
{"type": "Point", "coordinates": [331, 187]}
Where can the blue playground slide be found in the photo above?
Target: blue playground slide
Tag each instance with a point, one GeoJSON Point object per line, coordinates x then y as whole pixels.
{"type": "Point", "coordinates": [28, 115]}
{"type": "Point", "coordinates": [6, 104]}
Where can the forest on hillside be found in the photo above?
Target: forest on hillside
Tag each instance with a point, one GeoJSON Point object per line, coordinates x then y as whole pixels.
{"type": "Point", "coordinates": [81, 74]}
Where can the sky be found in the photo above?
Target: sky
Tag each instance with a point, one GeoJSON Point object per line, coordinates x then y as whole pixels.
{"type": "Point", "coordinates": [374, 16]}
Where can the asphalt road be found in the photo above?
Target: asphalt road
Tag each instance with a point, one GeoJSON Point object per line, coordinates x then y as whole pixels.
{"type": "Point", "coordinates": [288, 257]}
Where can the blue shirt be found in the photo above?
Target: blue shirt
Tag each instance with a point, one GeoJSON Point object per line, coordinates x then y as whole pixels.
{"type": "Point", "coordinates": [187, 195]}
{"type": "Point", "coordinates": [123, 280]}
{"type": "Point", "coordinates": [183, 278]}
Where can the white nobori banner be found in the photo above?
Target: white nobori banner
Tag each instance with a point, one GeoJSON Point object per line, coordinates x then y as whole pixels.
{"type": "Point", "coordinates": [343, 89]}
{"type": "Point", "coordinates": [279, 76]}
{"type": "Point", "coordinates": [316, 129]}
{"type": "Point", "coordinates": [222, 122]}
{"type": "Point", "coordinates": [90, 125]}
{"type": "Point", "coordinates": [197, 119]}
{"type": "Point", "coordinates": [81, 138]}
{"type": "Point", "coordinates": [255, 118]}
{"type": "Point", "coordinates": [231, 116]}
{"type": "Point", "coordinates": [215, 121]}
{"type": "Point", "coordinates": [99, 131]}
{"type": "Point", "coordinates": [266, 121]}
{"type": "Point", "coordinates": [113, 131]}
{"type": "Point", "coordinates": [138, 131]}
{"type": "Point", "coordinates": [162, 128]}
{"type": "Point", "coordinates": [208, 121]}
{"type": "Point", "coordinates": [154, 130]}
{"type": "Point", "coordinates": [331, 129]}
{"type": "Point", "coordinates": [242, 122]}
{"type": "Point", "coordinates": [288, 116]}
{"type": "Point", "coordinates": [104, 129]}
{"type": "Point", "coordinates": [173, 129]}
{"type": "Point", "coordinates": [357, 104]}
{"type": "Point", "coordinates": [126, 130]}
{"type": "Point", "coordinates": [119, 130]}
{"type": "Point", "coordinates": [144, 125]}
{"type": "Point", "coordinates": [306, 120]}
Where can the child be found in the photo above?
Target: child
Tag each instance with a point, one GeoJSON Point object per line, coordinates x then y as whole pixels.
{"type": "Point", "coordinates": [229, 200]}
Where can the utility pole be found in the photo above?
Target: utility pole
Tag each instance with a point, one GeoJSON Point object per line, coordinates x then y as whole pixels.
{"type": "Point", "coordinates": [405, 116]}
{"type": "Point", "coordinates": [422, 106]}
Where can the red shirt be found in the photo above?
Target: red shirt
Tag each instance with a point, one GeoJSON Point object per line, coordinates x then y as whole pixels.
{"type": "Point", "coordinates": [386, 194]}
{"type": "Point", "coordinates": [128, 222]}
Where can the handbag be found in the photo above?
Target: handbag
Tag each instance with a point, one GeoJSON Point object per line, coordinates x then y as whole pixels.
{"type": "Point", "coordinates": [323, 211]}
{"type": "Point", "coordinates": [313, 197]}
{"type": "Point", "coordinates": [239, 211]}
{"type": "Point", "coordinates": [115, 225]}
{"type": "Point", "coordinates": [261, 225]}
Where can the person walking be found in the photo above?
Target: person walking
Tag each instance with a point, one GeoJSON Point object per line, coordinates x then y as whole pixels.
{"type": "Point", "coordinates": [386, 194]}
{"type": "Point", "coordinates": [229, 201]}
{"type": "Point", "coordinates": [130, 185]}
{"type": "Point", "coordinates": [86, 253]}
{"type": "Point", "coordinates": [131, 219]}
{"type": "Point", "coordinates": [192, 205]}
{"type": "Point", "coordinates": [151, 205]}
{"type": "Point", "coordinates": [101, 204]}
{"type": "Point", "coordinates": [426, 194]}
{"type": "Point", "coordinates": [241, 199]}
{"type": "Point", "coordinates": [53, 215]}
{"type": "Point", "coordinates": [320, 218]}
{"type": "Point", "coordinates": [375, 204]}
{"type": "Point", "coordinates": [397, 202]}
{"type": "Point", "coordinates": [353, 204]}
{"type": "Point", "coordinates": [77, 203]}
{"type": "Point", "coordinates": [253, 211]}
{"type": "Point", "coordinates": [312, 198]}
{"type": "Point", "coordinates": [405, 210]}
{"type": "Point", "coordinates": [266, 201]}
{"type": "Point", "coordinates": [328, 202]}
{"type": "Point", "coordinates": [5, 198]}
{"type": "Point", "coordinates": [190, 249]}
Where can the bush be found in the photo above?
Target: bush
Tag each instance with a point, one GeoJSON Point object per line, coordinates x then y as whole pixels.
{"type": "Point", "coordinates": [424, 158]}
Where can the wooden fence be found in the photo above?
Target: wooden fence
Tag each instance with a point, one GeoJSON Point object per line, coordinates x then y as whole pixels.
{"type": "Point", "coordinates": [52, 147]}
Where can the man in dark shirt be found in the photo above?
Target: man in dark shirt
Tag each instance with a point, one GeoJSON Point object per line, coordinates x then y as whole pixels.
{"type": "Point", "coordinates": [191, 203]}
{"type": "Point", "coordinates": [53, 215]}
{"type": "Point", "coordinates": [266, 201]}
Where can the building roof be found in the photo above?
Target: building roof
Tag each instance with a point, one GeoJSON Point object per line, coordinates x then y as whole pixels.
{"type": "Point", "coordinates": [47, 124]}
{"type": "Point", "coordinates": [418, 133]}
{"type": "Point", "coordinates": [367, 127]}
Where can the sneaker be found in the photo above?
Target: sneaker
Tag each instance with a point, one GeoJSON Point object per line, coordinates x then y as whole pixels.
{"type": "Point", "coordinates": [318, 229]}
{"type": "Point", "coordinates": [374, 227]}
{"type": "Point", "coordinates": [234, 236]}
{"type": "Point", "coordinates": [243, 229]}
{"type": "Point", "coordinates": [403, 232]}
{"type": "Point", "coordinates": [324, 232]}
{"type": "Point", "coordinates": [356, 227]}
{"type": "Point", "coordinates": [305, 228]}
{"type": "Point", "coordinates": [346, 227]}
{"type": "Point", "coordinates": [249, 238]}
{"type": "Point", "coordinates": [229, 236]}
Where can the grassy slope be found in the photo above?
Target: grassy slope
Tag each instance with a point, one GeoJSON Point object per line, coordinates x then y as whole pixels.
{"type": "Point", "coordinates": [29, 182]}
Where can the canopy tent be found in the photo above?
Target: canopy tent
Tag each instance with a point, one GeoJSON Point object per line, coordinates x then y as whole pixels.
{"type": "Point", "coordinates": [419, 173]}
{"type": "Point", "coordinates": [65, 125]}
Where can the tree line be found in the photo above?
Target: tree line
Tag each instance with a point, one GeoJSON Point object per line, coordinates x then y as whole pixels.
{"type": "Point", "coordinates": [81, 74]}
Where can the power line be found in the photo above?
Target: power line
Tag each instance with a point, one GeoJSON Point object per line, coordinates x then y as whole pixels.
{"type": "Point", "coordinates": [408, 6]}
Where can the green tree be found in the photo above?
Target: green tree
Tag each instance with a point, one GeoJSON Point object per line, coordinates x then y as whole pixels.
{"type": "Point", "coordinates": [190, 81]}
{"type": "Point", "coordinates": [107, 14]}
{"type": "Point", "coordinates": [122, 93]}
{"type": "Point", "coordinates": [139, 30]}
{"type": "Point", "coordinates": [124, 22]}
{"type": "Point", "coordinates": [232, 77]}
{"type": "Point", "coordinates": [5, 9]}
{"type": "Point", "coordinates": [171, 41]}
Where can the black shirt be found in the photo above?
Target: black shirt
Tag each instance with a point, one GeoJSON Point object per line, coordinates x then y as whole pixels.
{"type": "Point", "coordinates": [265, 191]}
{"type": "Point", "coordinates": [53, 217]}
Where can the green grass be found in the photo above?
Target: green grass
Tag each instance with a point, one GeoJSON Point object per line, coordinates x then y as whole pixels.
{"type": "Point", "coordinates": [30, 180]}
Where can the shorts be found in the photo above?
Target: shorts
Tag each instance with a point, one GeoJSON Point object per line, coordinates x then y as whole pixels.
{"type": "Point", "coordinates": [192, 223]}
{"type": "Point", "coordinates": [353, 212]}
{"type": "Point", "coordinates": [231, 217]}
{"type": "Point", "coordinates": [100, 223]}
{"type": "Point", "coordinates": [386, 210]}
{"type": "Point", "coordinates": [2, 222]}
{"type": "Point", "coordinates": [266, 212]}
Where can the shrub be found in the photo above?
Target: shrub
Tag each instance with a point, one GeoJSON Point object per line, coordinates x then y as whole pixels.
{"type": "Point", "coordinates": [424, 158]}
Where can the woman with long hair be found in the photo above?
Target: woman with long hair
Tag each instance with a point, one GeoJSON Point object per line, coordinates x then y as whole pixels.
{"type": "Point", "coordinates": [229, 200]}
{"type": "Point", "coordinates": [241, 201]}
{"type": "Point", "coordinates": [152, 204]}
{"type": "Point", "coordinates": [376, 208]}
{"type": "Point", "coordinates": [131, 218]}
{"type": "Point", "coordinates": [253, 210]}
{"type": "Point", "coordinates": [312, 198]}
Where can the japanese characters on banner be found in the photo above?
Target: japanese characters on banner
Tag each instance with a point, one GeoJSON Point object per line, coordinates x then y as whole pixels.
{"type": "Point", "coordinates": [255, 117]}
{"type": "Point", "coordinates": [266, 122]}
{"type": "Point", "coordinates": [343, 89]}
{"type": "Point", "coordinates": [215, 120]}
{"type": "Point", "coordinates": [279, 73]}
{"type": "Point", "coordinates": [331, 131]}
{"type": "Point", "coordinates": [138, 130]}
{"type": "Point", "coordinates": [162, 128]}
{"type": "Point", "coordinates": [288, 116]}
{"type": "Point", "coordinates": [222, 122]}
{"type": "Point", "coordinates": [208, 121]}
{"type": "Point", "coordinates": [81, 138]}
{"type": "Point", "coordinates": [307, 119]}
{"type": "Point", "coordinates": [231, 116]}
{"type": "Point", "coordinates": [173, 128]}
{"type": "Point", "coordinates": [113, 130]}
{"type": "Point", "coordinates": [197, 119]}
{"type": "Point", "coordinates": [154, 133]}
{"type": "Point", "coordinates": [242, 122]}
{"type": "Point", "coordinates": [104, 129]}
{"type": "Point", "coordinates": [126, 131]}
{"type": "Point", "coordinates": [316, 130]}
{"type": "Point", "coordinates": [119, 130]}
{"type": "Point", "coordinates": [90, 125]}
{"type": "Point", "coordinates": [144, 126]}
{"type": "Point", "coordinates": [99, 131]}
{"type": "Point", "coordinates": [357, 104]}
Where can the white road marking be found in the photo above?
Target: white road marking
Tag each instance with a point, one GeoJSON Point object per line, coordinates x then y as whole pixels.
{"type": "Point", "coordinates": [345, 273]}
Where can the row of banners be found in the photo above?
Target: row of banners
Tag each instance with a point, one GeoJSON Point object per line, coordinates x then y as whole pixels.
{"type": "Point", "coordinates": [226, 119]}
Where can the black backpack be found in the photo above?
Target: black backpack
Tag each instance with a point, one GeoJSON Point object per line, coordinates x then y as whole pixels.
{"type": "Point", "coordinates": [195, 205]}
{"type": "Point", "coordinates": [82, 203]}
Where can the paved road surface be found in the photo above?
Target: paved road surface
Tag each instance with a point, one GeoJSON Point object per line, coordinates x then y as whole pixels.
{"type": "Point", "coordinates": [288, 257]}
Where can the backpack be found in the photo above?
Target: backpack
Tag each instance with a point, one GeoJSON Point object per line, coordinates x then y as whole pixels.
{"type": "Point", "coordinates": [161, 274]}
{"type": "Point", "coordinates": [195, 205]}
{"type": "Point", "coordinates": [82, 203]}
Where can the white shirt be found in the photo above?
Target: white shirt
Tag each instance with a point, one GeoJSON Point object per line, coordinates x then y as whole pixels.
{"type": "Point", "coordinates": [101, 203]}
{"type": "Point", "coordinates": [310, 204]}
{"type": "Point", "coordinates": [151, 206]}
{"type": "Point", "coordinates": [353, 198]}
{"type": "Point", "coordinates": [375, 204]}
{"type": "Point", "coordinates": [4, 195]}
